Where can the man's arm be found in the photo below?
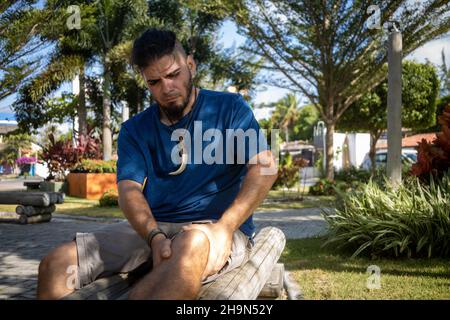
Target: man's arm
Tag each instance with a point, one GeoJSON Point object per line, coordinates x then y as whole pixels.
{"type": "Point", "coordinates": [136, 209]}
{"type": "Point", "coordinates": [257, 183]}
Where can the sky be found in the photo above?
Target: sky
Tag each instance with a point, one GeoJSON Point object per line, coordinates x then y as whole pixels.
{"type": "Point", "coordinates": [229, 37]}
{"type": "Point", "coordinates": [430, 51]}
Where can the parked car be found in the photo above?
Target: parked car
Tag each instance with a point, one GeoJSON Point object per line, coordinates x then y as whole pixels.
{"type": "Point", "coordinates": [409, 156]}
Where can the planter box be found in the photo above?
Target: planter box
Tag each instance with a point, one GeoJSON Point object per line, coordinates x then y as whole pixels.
{"type": "Point", "coordinates": [49, 186]}
{"type": "Point", "coordinates": [91, 185]}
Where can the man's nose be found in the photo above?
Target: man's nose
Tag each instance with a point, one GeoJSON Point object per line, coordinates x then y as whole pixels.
{"type": "Point", "coordinates": [167, 86]}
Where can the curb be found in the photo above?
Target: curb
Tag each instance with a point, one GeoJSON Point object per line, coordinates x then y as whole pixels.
{"type": "Point", "coordinates": [86, 218]}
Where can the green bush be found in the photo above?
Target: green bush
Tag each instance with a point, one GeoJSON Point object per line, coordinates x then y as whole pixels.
{"type": "Point", "coordinates": [352, 174]}
{"type": "Point", "coordinates": [410, 220]}
{"type": "Point", "coordinates": [288, 171]}
{"type": "Point", "coordinates": [344, 180]}
{"type": "Point", "coordinates": [109, 199]}
{"type": "Point", "coordinates": [95, 166]}
{"type": "Point", "coordinates": [322, 187]}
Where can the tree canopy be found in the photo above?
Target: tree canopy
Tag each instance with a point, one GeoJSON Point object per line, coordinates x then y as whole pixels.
{"type": "Point", "coordinates": [420, 89]}
{"type": "Point", "coordinates": [332, 51]}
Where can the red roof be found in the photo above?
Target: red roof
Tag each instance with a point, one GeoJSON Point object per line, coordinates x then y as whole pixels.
{"type": "Point", "coordinates": [411, 141]}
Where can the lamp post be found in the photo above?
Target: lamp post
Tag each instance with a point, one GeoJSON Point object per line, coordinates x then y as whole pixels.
{"type": "Point", "coordinates": [394, 106]}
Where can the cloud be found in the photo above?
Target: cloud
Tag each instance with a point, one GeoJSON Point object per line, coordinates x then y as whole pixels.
{"type": "Point", "coordinates": [432, 51]}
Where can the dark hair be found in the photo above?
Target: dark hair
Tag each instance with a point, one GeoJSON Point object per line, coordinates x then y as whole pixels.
{"type": "Point", "coordinates": [152, 45]}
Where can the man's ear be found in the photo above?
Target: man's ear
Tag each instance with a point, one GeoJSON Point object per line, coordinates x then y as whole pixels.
{"type": "Point", "coordinates": [191, 65]}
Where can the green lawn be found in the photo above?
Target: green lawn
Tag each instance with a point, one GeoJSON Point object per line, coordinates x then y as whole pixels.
{"type": "Point", "coordinates": [279, 200]}
{"type": "Point", "coordinates": [326, 274]}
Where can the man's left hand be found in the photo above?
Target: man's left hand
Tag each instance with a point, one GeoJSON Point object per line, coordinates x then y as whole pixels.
{"type": "Point", "coordinates": [220, 241]}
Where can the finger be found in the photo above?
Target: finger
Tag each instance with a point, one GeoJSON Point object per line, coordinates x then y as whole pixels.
{"type": "Point", "coordinates": [166, 251]}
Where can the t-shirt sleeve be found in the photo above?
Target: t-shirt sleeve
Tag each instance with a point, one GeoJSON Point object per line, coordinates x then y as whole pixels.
{"type": "Point", "coordinates": [131, 163]}
{"type": "Point", "coordinates": [255, 139]}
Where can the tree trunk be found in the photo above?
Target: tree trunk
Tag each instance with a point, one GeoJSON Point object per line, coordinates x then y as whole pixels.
{"type": "Point", "coordinates": [329, 150]}
{"type": "Point", "coordinates": [107, 136]}
{"type": "Point", "coordinates": [286, 133]}
{"type": "Point", "coordinates": [81, 109]}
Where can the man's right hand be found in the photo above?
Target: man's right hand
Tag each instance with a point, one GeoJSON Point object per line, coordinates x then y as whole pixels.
{"type": "Point", "coordinates": [160, 249]}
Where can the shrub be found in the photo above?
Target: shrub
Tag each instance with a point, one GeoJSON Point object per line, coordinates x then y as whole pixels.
{"type": "Point", "coordinates": [288, 171]}
{"type": "Point", "coordinates": [26, 160]}
{"type": "Point", "coordinates": [352, 174]}
{"type": "Point", "coordinates": [434, 158]}
{"type": "Point", "coordinates": [109, 199]}
{"type": "Point", "coordinates": [322, 187]}
{"type": "Point", "coordinates": [345, 181]}
{"type": "Point", "coordinates": [62, 155]}
{"type": "Point", "coordinates": [95, 166]}
{"type": "Point", "coordinates": [410, 220]}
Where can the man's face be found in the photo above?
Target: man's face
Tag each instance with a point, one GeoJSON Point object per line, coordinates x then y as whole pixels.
{"type": "Point", "coordinates": [169, 80]}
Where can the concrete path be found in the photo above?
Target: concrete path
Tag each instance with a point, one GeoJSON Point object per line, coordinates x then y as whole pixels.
{"type": "Point", "coordinates": [23, 246]}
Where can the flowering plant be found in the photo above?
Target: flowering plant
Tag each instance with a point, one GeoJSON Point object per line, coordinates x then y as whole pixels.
{"type": "Point", "coordinates": [26, 160]}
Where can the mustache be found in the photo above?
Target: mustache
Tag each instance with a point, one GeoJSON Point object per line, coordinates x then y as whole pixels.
{"type": "Point", "coordinates": [171, 96]}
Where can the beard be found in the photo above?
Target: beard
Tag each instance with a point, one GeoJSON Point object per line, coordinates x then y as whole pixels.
{"type": "Point", "coordinates": [174, 111]}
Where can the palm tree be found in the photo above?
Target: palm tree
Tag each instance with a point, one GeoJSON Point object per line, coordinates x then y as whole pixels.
{"type": "Point", "coordinates": [105, 26]}
{"type": "Point", "coordinates": [286, 113]}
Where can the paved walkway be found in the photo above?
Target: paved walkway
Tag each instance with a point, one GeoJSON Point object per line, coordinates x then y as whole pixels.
{"type": "Point", "coordinates": [23, 246]}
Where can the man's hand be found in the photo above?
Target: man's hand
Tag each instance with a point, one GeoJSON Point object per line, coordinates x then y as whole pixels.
{"type": "Point", "coordinates": [160, 249]}
{"type": "Point", "coordinates": [220, 241]}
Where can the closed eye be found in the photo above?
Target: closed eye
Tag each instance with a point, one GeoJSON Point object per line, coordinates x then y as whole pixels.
{"type": "Point", "coordinates": [173, 75]}
{"type": "Point", "coordinates": [170, 76]}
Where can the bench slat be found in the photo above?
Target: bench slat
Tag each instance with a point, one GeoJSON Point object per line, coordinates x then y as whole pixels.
{"type": "Point", "coordinates": [246, 283]}
{"type": "Point", "coordinates": [102, 289]}
{"type": "Point", "coordinates": [274, 286]}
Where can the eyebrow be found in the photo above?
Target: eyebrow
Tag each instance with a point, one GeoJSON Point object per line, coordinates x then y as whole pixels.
{"type": "Point", "coordinates": [169, 74]}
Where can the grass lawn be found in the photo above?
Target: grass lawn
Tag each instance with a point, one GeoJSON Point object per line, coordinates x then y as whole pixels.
{"type": "Point", "coordinates": [280, 200]}
{"type": "Point", "coordinates": [325, 274]}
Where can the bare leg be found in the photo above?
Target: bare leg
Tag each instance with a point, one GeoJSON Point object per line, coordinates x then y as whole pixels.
{"type": "Point", "coordinates": [178, 277]}
{"type": "Point", "coordinates": [55, 270]}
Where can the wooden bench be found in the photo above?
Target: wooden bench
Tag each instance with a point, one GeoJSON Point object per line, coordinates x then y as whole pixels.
{"type": "Point", "coordinates": [260, 278]}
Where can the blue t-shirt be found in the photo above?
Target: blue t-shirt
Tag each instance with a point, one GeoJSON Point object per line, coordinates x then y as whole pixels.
{"type": "Point", "coordinates": [214, 174]}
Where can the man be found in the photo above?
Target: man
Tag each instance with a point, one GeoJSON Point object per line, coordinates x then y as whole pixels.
{"type": "Point", "coordinates": [189, 217]}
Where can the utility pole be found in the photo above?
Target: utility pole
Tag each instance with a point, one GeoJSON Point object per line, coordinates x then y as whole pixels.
{"type": "Point", "coordinates": [394, 106]}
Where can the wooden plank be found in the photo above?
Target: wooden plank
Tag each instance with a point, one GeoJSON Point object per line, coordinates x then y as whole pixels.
{"type": "Point", "coordinates": [39, 199]}
{"type": "Point", "coordinates": [273, 288]}
{"type": "Point", "coordinates": [33, 210]}
{"type": "Point", "coordinates": [102, 289]}
{"type": "Point", "coordinates": [23, 219]}
{"type": "Point", "coordinates": [247, 281]}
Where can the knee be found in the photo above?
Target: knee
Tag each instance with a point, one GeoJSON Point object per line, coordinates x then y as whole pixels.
{"type": "Point", "coordinates": [58, 259]}
{"type": "Point", "coordinates": [195, 240]}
